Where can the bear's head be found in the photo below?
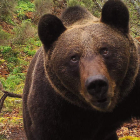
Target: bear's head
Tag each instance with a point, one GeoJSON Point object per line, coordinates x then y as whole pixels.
{"type": "Point", "coordinates": [90, 62]}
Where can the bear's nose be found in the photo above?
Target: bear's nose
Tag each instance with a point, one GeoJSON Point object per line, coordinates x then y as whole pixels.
{"type": "Point", "coordinates": [97, 86]}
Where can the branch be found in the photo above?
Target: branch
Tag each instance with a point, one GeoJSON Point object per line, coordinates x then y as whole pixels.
{"type": "Point", "coordinates": [10, 94]}
{"type": "Point", "coordinates": [2, 101]}
{"type": "Point", "coordinates": [6, 94]}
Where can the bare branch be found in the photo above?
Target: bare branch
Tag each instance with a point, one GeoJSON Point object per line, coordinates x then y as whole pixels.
{"type": "Point", "coordinates": [6, 94]}
{"type": "Point", "coordinates": [2, 101]}
{"type": "Point", "coordinates": [10, 94]}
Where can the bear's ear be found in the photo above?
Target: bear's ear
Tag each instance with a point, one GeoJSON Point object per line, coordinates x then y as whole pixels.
{"type": "Point", "coordinates": [116, 14]}
{"type": "Point", "coordinates": [49, 29]}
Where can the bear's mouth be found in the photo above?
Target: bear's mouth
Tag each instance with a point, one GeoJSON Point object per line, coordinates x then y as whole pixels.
{"type": "Point", "coordinates": [102, 103]}
{"type": "Point", "coordinates": [102, 100]}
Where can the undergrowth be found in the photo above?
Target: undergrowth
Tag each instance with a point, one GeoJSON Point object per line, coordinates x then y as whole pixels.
{"type": "Point", "coordinates": [17, 47]}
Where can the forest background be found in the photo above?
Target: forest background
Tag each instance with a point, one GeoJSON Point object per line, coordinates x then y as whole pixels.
{"type": "Point", "coordinates": [19, 42]}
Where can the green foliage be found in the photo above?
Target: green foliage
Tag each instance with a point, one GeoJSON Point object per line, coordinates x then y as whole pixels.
{"type": "Point", "coordinates": [38, 43]}
{"type": "Point", "coordinates": [17, 70]}
{"type": "Point", "coordinates": [10, 55]}
{"type": "Point", "coordinates": [13, 58]}
{"type": "Point", "coordinates": [28, 51]}
{"type": "Point", "coordinates": [23, 7]}
{"type": "Point", "coordinates": [23, 63]}
{"type": "Point", "coordinates": [35, 41]}
{"type": "Point", "coordinates": [13, 80]}
{"type": "Point", "coordinates": [5, 49]}
{"type": "Point", "coordinates": [8, 52]}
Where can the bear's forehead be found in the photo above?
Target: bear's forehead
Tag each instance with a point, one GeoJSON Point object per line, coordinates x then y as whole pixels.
{"type": "Point", "coordinates": [91, 34]}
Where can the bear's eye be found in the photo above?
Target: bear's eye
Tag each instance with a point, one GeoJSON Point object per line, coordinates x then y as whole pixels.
{"type": "Point", "coordinates": [104, 51]}
{"type": "Point", "coordinates": [74, 59]}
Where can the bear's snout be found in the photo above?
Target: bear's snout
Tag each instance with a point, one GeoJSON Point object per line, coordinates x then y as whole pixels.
{"type": "Point", "coordinates": [97, 86]}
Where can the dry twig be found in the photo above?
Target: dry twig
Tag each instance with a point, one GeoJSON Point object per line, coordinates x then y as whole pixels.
{"type": "Point", "coordinates": [7, 94]}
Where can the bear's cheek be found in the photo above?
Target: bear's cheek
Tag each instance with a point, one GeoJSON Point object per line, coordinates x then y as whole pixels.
{"type": "Point", "coordinates": [68, 75]}
{"type": "Point", "coordinates": [117, 68]}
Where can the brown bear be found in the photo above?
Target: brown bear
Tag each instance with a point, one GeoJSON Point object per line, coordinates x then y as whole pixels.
{"type": "Point", "coordinates": [84, 82]}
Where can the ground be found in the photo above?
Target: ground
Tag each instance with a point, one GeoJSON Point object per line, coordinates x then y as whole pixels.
{"type": "Point", "coordinates": [132, 129]}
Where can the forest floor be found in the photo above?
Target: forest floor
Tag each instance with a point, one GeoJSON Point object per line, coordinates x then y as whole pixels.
{"type": "Point", "coordinates": [131, 128]}
{"type": "Point", "coordinates": [128, 129]}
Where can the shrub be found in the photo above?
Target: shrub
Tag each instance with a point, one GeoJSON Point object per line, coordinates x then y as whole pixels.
{"type": "Point", "coordinates": [3, 36]}
{"type": "Point", "coordinates": [6, 9]}
{"type": "Point", "coordinates": [93, 7]}
{"type": "Point", "coordinates": [42, 7]}
{"type": "Point", "coordinates": [23, 32]}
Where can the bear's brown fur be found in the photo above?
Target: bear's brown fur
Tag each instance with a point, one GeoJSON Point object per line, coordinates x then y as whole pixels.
{"type": "Point", "coordinates": [82, 83]}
